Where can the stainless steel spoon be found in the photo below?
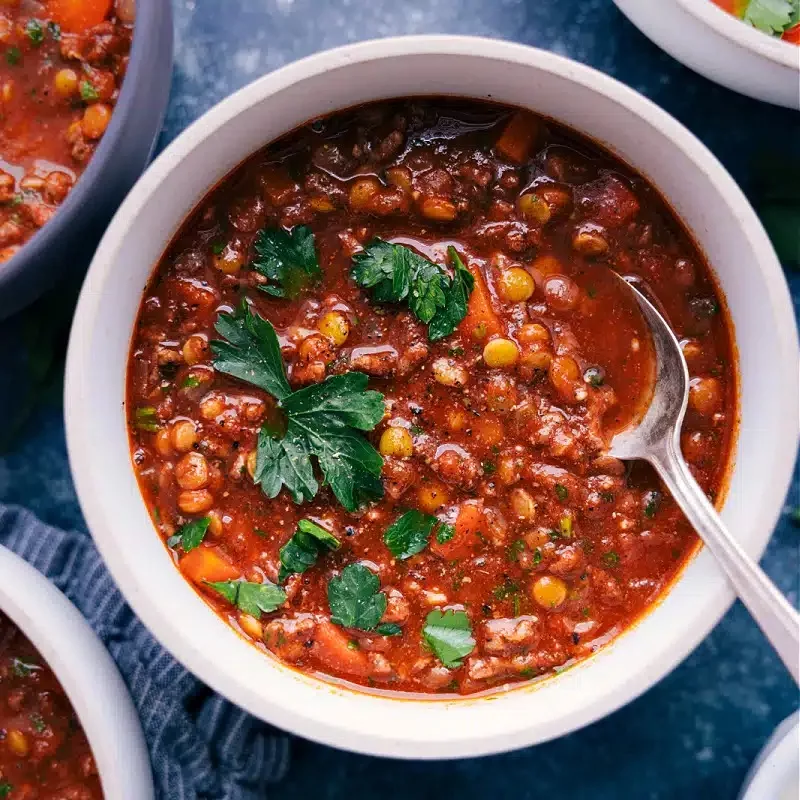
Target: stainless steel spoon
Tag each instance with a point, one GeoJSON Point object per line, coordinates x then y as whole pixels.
{"type": "Point", "coordinates": [656, 438]}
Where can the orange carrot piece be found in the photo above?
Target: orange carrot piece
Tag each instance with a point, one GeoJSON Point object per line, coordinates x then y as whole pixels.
{"type": "Point", "coordinates": [792, 35]}
{"type": "Point", "coordinates": [518, 137]}
{"type": "Point", "coordinates": [206, 564]}
{"type": "Point", "coordinates": [78, 16]}
{"type": "Point", "coordinates": [469, 523]}
{"type": "Point", "coordinates": [481, 322]}
{"type": "Point", "coordinates": [331, 646]}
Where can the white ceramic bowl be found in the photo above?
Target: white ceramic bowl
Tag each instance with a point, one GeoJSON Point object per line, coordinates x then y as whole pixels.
{"type": "Point", "coordinates": [87, 674]}
{"type": "Point", "coordinates": [646, 137]}
{"type": "Point", "coordinates": [721, 47]}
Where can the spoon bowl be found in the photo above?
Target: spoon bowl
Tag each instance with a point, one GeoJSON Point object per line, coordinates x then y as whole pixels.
{"type": "Point", "coordinates": [656, 438]}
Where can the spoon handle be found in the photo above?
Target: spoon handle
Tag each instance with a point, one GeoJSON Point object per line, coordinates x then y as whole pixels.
{"type": "Point", "coordinates": [774, 614]}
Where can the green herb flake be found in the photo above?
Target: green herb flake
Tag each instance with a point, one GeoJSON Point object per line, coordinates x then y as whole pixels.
{"type": "Point", "coordinates": [611, 558]}
{"type": "Point", "coordinates": [355, 598]}
{"type": "Point", "coordinates": [489, 467]}
{"type": "Point", "coordinates": [304, 548]}
{"type": "Point", "coordinates": [352, 645]}
{"type": "Point", "coordinates": [146, 419]}
{"type": "Point", "coordinates": [324, 421]}
{"type": "Point", "coordinates": [537, 556]}
{"type": "Point", "coordinates": [217, 248]}
{"type": "Point", "coordinates": [55, 30]}
{"type": "Point", "coordinates": [288, 259]}
{"type": "Point", "coordinates": [35, 32]}
{"type": "Point", "coordinates": [252, 598]}
{"type": "Point", "coordinates": [37, 720]}
{"type": "Point", "coordinates": [771, 16]}
{"type": "Point", "coordinates": [409, 534]}
{"type": "Point", "coordinates": [445, 533]}
{"type": "Point", "coordinates": [449, 635]}
{"type": "Point", "coordinates": [394, 273]}
{"type": "Point", "coordinates": [562, 493]}
{"type": "Point", "coordinates": [515, 549]}
{"type": "Point", "coordinates": [13, 56]}
{"type": "Point", "coordinates": [5, 789]}
{"type": "Point", "coordinates": [652, 502]}
{"type": "Point", "coordinates": [190, 535]}
{"type": "Point", "coordinates": [389, 629]}
{"type": "Point", "coordinates": [88, 92]}
{"type": "Point", "coordinates": [191, 382]}
{"type": "Point", "coordinates": [22, 669]}
{"type": "Point", "coordinates": [594, 376]}
{"type": "Point", "coordinates": [505, 590]}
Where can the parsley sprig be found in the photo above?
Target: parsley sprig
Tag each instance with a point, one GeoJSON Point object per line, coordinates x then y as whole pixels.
{"type": "Point", "coordinates": [396, 274]}
{"type": "Point", "coordinates": [304, 548]}
{"type": "Point", "coordinates": [324, 422]}
{"type": "Point", "coordinates": [252, 598]}
{"type": "Point", "coordinates": [772, 16]}
{"type": "Point", "coordinates": [287, 258]}
{"type": "Point", "coordinates": [355, 598]}
{"type": "Point", "coordinates": [190, 535]}
{"type": "Point", "coordinates": [449, 634]}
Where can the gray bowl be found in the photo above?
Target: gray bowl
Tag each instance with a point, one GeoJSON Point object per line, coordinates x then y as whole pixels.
{"type": "Point", "coordinates": [65, 244]}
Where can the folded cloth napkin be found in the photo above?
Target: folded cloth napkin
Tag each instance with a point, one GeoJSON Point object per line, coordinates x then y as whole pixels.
{"type": "Point", "coordinates": [201, 746]}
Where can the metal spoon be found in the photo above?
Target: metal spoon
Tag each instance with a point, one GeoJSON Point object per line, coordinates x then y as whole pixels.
{"type": "Point", "coordinates": [656, 438]}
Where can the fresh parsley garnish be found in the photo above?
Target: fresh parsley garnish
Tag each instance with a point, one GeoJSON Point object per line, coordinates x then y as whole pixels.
{"type": "Point", "coordinates": [13, 55]}
{"type": "Point", "coordinates": [217, 248]}
{"type": "Point", "coordinates": [34, 31]}
{"type": "Point", "coordinates": [37, 720]}
{"type": "Point", "coordinates": [562, 493]}
{"type": "Point", "coordinates": [190, 535]}
{"type": "Point", "coordinates": [304, 548]}
{"type": "Point", "coordinates": [389, 629]}
{"type": "Point", "coordinates": [55, 30]}
{"type": "Point", "coordinates": [489, 467]}
{"type": "Point", "coordinates": [772, 16]}
{"type": "Point", "coordinates": [323, 421]}
{"type": "Point", "coordinates": [652, 501]}
{"type": "Point", "coordinates": [409, 534]}
{"type": "Point", "coordinates": [252, 598]}
{"type": "Point", "coordinates": [146, 419]}
{"type": "Point", "coordinates": [445, 533]}
{"type": "Point", "coordinates": [88, 92]}
{"type": "Point", "coordinates": [191, 382]}
{"type": "Point", "coordinates": [449, 634]}
{"type": "Point", "coordinates": [506, 589]}
{"type": "Point", "coordinates": [288, 258]}
{"type": "Point", "coordinates": [396, 274]}
{"type": "Point", "coordinates": [537, 556]}
{"type": "Point", "coordinates": [355, 598]}
{"type": "Point", "coordinates": [5, 789]}
{"type": "Point", "coordinates": [22, 668]}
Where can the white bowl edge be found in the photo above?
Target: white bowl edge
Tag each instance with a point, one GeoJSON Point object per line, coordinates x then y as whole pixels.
{"type": "Point", "coordinates": [87, 674]}
{"type": "Point", "coordinates": [587, 100]}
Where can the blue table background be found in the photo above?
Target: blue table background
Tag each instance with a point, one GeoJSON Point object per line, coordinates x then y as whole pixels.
{"type": "Point", "coordinates": [695, 733]}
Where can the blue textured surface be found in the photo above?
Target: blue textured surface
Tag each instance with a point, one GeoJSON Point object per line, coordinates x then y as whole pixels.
{"type": "Point", "coordinates": [695, 733]}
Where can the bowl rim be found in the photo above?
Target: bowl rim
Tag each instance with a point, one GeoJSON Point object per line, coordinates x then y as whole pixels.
{"type": "Point", "coordinates": [149, 16]}
{"type": "Point", "coordinates": [86, 672]}
{"type": "Point", "coordinates": [78, 370]}
{"type": "Point", "coordinates": [739, 32]}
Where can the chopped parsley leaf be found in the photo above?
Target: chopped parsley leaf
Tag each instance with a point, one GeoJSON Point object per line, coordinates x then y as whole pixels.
{"type": "Point", "coordinates": [252, 598]}
{"type": "Point", "coordinates": [489, 467]}
{"type": "Point", "coordinates": [515, 548]}
{"type": "Point", "coordinates": [217, 248]}
{"type": "Point", "coordinates": [652, 501]}
{"type": "Point", "coordinates": [389, 629]}
{"type": "Point", "coordinates": [449, 635]}
{"type": "Point", "coordinates": [771, 16]}
{"type": "Point", "coordinates": [190, 535]}
{"type": "Point", "coordinates": [409, 534]}
{"type": "Point", "coordinates": [88, 92]}
{"type": "Point", "coordinates": [561, 492]}
{"type": "Point", "coordinates": [13, 55]}
{"type": "Point", "coordinates": [35, 31]}
{"type": "Point", "coordinates": [37, 720]}
{"type": "Point", "coordinates": [355, 598]}
{"type": "Point", "coordinates": [537, 556]}
{"type": "Point", "coordinates": [304, 548]}
{"type": "Point", "coordinates": [287, 258]}
{"type": "Point", "coordinates": [23, 668]}
{"type": "Point", "coordinates": [55, 30]}
{"type": "Point", "coordinates": [5, 789]}
{"type": "Point", "coordinates": [445, 533]}
{"type": "Point", "coordinates": [191, 382]}
{"type": "Point", "coordinates": [324, 421]}
{"type": "Point", "coordinates": [395, 273]}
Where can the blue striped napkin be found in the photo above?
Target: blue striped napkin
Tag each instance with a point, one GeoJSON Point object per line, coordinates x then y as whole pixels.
{"type": "Point", "coordinates": [201, 746]}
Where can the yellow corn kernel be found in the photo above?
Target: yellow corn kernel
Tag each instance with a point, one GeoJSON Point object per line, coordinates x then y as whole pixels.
{"type": "Point", "coordinates": [335, 326]}
{"type": "Point", "coordinates": [500, 353]}
{"type": "Point", "coordinates": [515, 285]}
{"type": "Point", "coordinates": [431, 497]}
{"type": "Point", "coordinates": [549, 591]}
{"type": "Point", "coordinates": [396, 442]}
{"type": "Point", "coordinates": [65, 82]}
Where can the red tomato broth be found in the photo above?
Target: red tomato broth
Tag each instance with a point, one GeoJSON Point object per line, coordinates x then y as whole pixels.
{"type": "Point", "coordinates": [61, 68]}
{"type": "Point", "coordinates": [44, 752]}
{"type": "Point", "coordinates": [618, 560]}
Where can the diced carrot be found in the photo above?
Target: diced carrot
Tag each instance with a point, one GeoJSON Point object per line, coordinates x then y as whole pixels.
{"type": "Point", "coordinates": [481, 321]}
{"type": "Point", "coordinates": [792, 35]}
{"type": "Point", "coordinates": [332, 647]}
{"type": "Point", "coordinates": [77, 16]}
{"type": "Point", "coordinates": [469, 523]}
{"type": "Point", "coordinates": [518, 137]}
{"type": "Point", "coordinates": [207, 564]}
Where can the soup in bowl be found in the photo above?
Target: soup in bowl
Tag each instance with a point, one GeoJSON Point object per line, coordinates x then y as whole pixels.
{"type": "Point", "coordinates": [357, 398]}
